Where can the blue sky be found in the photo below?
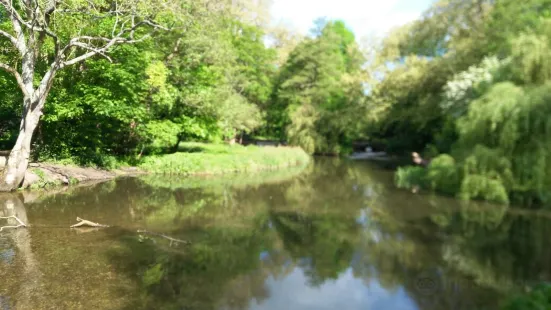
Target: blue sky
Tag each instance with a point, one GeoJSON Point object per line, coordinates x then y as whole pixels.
{"type": "Point", "coordinates": [364, 17]}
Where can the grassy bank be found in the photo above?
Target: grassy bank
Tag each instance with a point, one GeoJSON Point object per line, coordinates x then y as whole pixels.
{"type": "Point", "coordinates": [206, 159]}
{"type": "Point", "coordinates": [191, 159]}
{"type": "Point", "coordinates": [238, 181]}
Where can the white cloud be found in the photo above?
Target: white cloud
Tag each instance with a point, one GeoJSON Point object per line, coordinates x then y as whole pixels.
{"type": "Point", "coordinates": [364, 17]}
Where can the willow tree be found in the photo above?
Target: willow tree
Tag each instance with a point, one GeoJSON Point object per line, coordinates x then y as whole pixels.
{"type": "Point", "coordinates": [43, 37]}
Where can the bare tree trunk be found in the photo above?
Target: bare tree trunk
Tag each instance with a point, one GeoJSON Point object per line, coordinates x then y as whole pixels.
{"type": "Point", "coordinates": [18, 160]}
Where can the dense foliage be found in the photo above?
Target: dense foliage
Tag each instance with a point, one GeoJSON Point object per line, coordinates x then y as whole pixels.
{"type": "Point", "coordinates": [318, 91]}
{"type": "Point", "coordinates": [211, 78]}
{"type": "Point", "coordinates": [467, 84]}
{"type": "Point", "coordinates": [475, 89]}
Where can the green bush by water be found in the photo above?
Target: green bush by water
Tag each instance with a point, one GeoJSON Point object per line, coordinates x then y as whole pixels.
{"type": "Point", "coordinates": [410, 177]}
{"type": "Point", "coordinates": [476, 178]}
{"type": "Point", "coordinates": [538, 299]}
{"type": "Point", "coordinates": [443, 175]}
{"type": "Point", "coordinates": [483, 188]}
{"type": "Point", "coordinates": [199, 158]}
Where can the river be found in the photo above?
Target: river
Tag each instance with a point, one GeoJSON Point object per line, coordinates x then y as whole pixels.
{"type": "Point", "coordinates": [335, 235]}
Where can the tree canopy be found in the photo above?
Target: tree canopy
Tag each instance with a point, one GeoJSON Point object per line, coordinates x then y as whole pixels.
{"type": "Point", "coordinates": [469, 80]}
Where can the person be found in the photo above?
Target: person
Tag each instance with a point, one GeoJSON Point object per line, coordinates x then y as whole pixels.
{"type": "Point", "coordinates": [418, 160]}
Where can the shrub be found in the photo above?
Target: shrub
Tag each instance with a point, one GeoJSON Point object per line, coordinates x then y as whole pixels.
{"type": "Point", "coordinates": [443, 176]}
{"type": "Point", "coordinates": [538, 298]}
{"type": "Point", "coordinates": [410, 177]}
{"type": "Point", "coordinates": [482, 187]}
{"type": "Point", "coordinates": [197, 147]}
{"type": "Point", "coordinates": [162, 136]}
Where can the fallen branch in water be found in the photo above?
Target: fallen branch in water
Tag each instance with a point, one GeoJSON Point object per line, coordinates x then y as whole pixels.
{"type": "Point", "coordinates": [83, 230]}
{"type": "Point", "coordinates": [164, 236]}
{"type": "Point", "coordinates": [82, 222]}
{"type": "Point", "coordinates": [21, 224]}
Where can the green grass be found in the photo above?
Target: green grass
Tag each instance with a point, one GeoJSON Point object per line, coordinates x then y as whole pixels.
{"type": "Point", "coordinates": [206, 159]}
{"type": "Point", "coordinates": [43, 182]}
{"type": "Point", "coordinates": [239, 181]}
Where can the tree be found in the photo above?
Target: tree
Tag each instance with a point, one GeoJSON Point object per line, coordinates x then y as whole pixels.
{"type": "Point", "coordinates": [319, 90]}
{"type": "Point", "coordinates": [49, 36]}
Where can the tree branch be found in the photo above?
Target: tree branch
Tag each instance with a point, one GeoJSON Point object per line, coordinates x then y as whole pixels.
{"type": "Point", "coordinates": [21, 224]}
{"type": "Point", "coordinates": [12, 39]}
{"type": "Point", "coordinates": [91, 49]}
{"type": "Point", "coordinates": [95, 51]}
{"type": "Point", "coordinates": [82, 222]}
{"type": "Point", "coordinates": [141, 231]}
{"type": "Point", "coordinates": [34, 24]}
{"type": "Point", "coordinates": [17, 76]}
{"type": "Point", "coordinates": [16, 22]}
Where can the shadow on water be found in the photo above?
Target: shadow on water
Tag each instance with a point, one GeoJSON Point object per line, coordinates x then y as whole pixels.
{"type": "Point", "coordinates": [332, 235]}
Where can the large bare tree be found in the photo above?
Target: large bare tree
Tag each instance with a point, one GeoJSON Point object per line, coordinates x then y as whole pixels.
{"type": "Point", "coordinates": [62, 33]}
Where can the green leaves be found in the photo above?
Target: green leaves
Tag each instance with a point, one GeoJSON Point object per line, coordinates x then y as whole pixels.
{"type": "Point", "coordinates": [316, 90]}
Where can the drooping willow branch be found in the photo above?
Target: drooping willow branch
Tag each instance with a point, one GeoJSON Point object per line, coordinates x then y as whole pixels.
{"type": "Point", "coordinates": [21, 224]}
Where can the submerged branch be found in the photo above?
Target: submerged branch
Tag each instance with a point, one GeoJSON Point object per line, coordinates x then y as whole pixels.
{"type": "Point", "coordinates": [82, 222]}
{"type": "Point", "coordinates": [164, 236]}
{"type": "Point", "coordinates": [21, 224]}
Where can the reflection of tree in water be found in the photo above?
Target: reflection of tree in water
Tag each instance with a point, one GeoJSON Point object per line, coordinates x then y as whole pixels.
{"type": "Point", "coordinates": [18, 266]}
{"type": "Point", "coordinates": [7, 257]}
{"type": "Point", "coordinates": [331, 217]}
{"type": "Point", "coordinates": [198, 275]}
{"type": "Point", "coordinates": [317, 219]}
{"type": "Point", "coordinates": [322, 245]}
{"type": "Point", "coordinates": [237, 243]}
{"type": "Point", "coordinates": [228, 233]}
{"type": "Point", "coordinates": [482, 252]}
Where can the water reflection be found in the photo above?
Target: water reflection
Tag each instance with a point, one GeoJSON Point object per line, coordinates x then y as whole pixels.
{"type": "Point", "coordinates": [336, 235]}
{"type": "Point", "coordinates": [17, 259]}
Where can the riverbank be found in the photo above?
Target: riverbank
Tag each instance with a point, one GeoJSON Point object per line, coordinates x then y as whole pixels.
{"type": "Point", "coordinates": [44, 175]}
{"type": "Point", "coordinates": [213, 159]}
{"type": "Point", "coordinates": [191, 159]}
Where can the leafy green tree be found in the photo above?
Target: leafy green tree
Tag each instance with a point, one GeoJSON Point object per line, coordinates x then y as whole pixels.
{"type": "Point", "coordinates": [311, 105]}
{"type": "Point", "coordinates": [49, 36]}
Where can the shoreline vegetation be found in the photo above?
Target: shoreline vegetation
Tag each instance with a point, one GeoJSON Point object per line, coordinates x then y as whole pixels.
{"type": "Point", "coordinates": [191, 159]}
{"type": "Point", "coordinates": [215, 159]}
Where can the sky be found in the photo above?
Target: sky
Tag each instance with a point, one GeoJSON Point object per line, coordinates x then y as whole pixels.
{"type": "Point", "coordinates": [365, 17]}
{"type": "Point", "coordinates": [346, 292]}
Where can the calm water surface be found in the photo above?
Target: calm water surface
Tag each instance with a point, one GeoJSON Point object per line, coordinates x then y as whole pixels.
{"type": "Point", "coordinates": [336, 235]}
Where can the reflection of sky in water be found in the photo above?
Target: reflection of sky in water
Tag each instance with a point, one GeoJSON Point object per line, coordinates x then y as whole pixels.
{"type": "Point", "coordinates": [368, 192]}
{"type": "Point", "coordinates": [7, 253]}
{"type": "Point", "coordinates": [346, 293]}
{"type": "Point", "coordinates": [4, 303]}
{"type": "Point", "coordinates": [264, 255]}
{"type": "Point", "coordinates": [363, 217]}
